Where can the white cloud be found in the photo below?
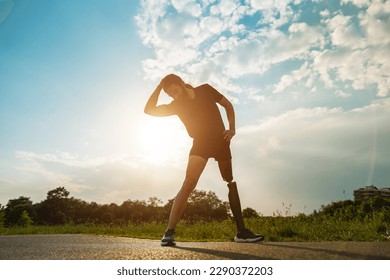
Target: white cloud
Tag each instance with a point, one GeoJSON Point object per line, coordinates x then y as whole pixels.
{"type": "Point", "coordinates": [343, 33]}
{"type": "Point", "coordinates": [342, 94]}
{"type": "Point", "coordinates": [296, 76]}
{"type": "Point", "coordinates": [187, 6]}
{"type": "Point", "coordinates": [358, 59]}
{"type": "Point", "coordinates": [61, 169]}
{"type": "Point", "coordinates": [60, 158]}
{"type": "Point", "coordinates": [376, 29]}
{"type": "Point", "coordinates": [350, 49]}
{"type": "Point", "coordinates": [378, 8]}
{"type": "Point", "coordinates": [325, 13]}
{"type": "Point", "coordinates": [272, 144]}
{"type": "Point", "coordinates": [276, 12]}
{"type": "Point", "coordinates": [104, 180]}
{"type": "Point", "coordinates": [358, 3]}
{"type": "Point", "coordinates": [320, 132]}
{"type": "Point", "coordinates": [297, 155]}
{"type": "Point", "coordinates": [8, 182]}
{"type": "Point", "coordinates": [224, 8]}
{"type": "Point", "coordinates": [363, 49]}
{"type": "Point", "coordinates": [213, 24]}
{"type": "Point", "coordinates": [183, 39]}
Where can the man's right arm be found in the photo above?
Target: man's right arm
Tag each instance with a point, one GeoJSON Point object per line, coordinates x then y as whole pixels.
{"type": "Point", "coordinates": [151, 107]}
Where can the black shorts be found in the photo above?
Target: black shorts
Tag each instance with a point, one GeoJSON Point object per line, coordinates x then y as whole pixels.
{"type": "Point", "coordinates": [218, 149]}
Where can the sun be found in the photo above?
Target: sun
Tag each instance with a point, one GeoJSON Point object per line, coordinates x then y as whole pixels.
{"type": "Point", "coordinates": [162, 140]}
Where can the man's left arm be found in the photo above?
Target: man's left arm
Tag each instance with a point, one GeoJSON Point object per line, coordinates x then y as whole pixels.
{"type": "Point", "coordinates": [228, 134]}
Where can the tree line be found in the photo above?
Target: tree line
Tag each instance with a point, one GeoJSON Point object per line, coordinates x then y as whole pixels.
{"type": "Point", "coordinates": [60, 209]}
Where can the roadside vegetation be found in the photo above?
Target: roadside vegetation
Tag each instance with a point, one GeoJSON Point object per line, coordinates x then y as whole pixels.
{"type": "Point", "coordinates": [207, 218]}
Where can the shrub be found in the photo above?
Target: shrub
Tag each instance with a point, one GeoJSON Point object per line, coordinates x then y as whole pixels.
{"type": "Point", "coordinates": [24, 220]}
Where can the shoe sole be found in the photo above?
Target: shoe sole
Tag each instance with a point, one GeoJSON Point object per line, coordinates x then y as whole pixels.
{"type": "Point", "coordinates": [168, 243]}
{"type": "Point", "coordinates": [248, 240]}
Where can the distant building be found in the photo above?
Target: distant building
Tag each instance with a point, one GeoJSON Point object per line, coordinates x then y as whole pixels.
{"type": "Point", "coordinates": [367, 192]}
{"type": "Point", "coordinates": [385, 192]}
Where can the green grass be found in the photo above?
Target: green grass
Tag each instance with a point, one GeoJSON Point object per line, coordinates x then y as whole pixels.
{"type": "Point", "coordinates": [297, 228]}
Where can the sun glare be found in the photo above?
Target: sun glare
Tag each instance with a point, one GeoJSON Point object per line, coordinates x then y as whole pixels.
{"type": "Point", "coordinates": [162, 141]}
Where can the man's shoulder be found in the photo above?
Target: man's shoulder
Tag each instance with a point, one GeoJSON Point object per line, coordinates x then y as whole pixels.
{"type": "Point", "coordinates": [204, 86]}
{"type": "Point", "coordinates": [208, 90]}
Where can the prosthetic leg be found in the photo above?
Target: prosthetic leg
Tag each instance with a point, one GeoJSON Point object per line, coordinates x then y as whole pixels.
{"type": "Point", "coordinates": [235, 205]}
{"type": "Point", "coordinates": [225, 167]}
{"type": "Point", "coordinates": [243, 234]}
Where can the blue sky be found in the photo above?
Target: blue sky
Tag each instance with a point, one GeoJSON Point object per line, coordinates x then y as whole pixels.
{"type": "Point", "coordinates": [309, 81]}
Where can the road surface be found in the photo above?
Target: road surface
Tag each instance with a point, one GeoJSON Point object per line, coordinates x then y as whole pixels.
{"type": "Point", "coordinates": [92, 247]}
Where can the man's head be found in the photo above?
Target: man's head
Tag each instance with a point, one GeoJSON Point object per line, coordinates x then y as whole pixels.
{"type": "Point", "coordinates": [174, 86]}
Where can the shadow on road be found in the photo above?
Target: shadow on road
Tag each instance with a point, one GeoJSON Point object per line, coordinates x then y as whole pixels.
{"type": "Point", "coordinates": [222, 254]}
{"type": "Point", "coordinates": [338, 254]}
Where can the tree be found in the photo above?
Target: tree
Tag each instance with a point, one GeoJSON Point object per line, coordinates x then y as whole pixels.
{"type": "Point", "coordinates": [56, 209]}
{"type": "Point", "coordinates": [135, 211]}
{"type": "Point", "coordinates": [348, 210]}
{"type": "Point", "coordinates": [206, 206]}
{"type": "Point", "coordinates": [15, 208]}
{"type": "Point", "coordinates": [80, 211]}
{"type": "Point", "coordinates": [1, 216]}
{"type": "Point", "coordinates": [249, 213]}
{"type": "Point", "coordinates": [58, 193]}
{"type": "Point", "coordinates": [154, 201]}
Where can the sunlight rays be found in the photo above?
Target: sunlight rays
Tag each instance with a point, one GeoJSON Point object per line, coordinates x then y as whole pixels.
{"type": "Point", "coordinates": [162, 141]}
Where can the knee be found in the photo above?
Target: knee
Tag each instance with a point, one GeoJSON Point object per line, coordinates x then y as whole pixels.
{"type": "Point", "coordinates": [188, 186]}
{"type": "Point", "coordinates": [190, 181]}
{"type": "Point", "coordinates": [228, 178]}
{"type": "Point", "coordinates": [232, 185]}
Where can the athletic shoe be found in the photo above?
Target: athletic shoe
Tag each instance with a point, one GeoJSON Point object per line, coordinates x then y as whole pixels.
{"type": "Point", "coordinates": [168, 238]}
{"type": "Point", "coordinates": [246, 236]}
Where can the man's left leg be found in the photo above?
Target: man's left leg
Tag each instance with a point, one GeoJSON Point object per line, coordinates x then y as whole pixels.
{"type": "Point", "coordinates": [195, 167]}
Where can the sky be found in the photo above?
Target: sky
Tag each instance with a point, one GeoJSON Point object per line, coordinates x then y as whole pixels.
{"type": "Point", "coordinates": [309, 81]}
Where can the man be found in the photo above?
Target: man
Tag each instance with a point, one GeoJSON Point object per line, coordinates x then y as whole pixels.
{"type": "Point", "coordinates": [197, 109]}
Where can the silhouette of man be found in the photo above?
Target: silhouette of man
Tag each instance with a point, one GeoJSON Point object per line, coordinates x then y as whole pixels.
{"type": "Point", "coordinates": [198, 110]}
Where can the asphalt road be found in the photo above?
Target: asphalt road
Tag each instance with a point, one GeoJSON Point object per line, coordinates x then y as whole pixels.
{"type": "Point", "coordinates": [91, 247]}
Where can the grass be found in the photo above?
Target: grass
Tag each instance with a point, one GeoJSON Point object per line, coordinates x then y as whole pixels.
{"type": "Point", "coordinates": [296, 228]}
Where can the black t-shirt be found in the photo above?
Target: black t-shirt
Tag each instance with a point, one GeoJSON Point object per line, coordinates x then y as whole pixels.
{"type": "Point", "coordinates": [200, 115]}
